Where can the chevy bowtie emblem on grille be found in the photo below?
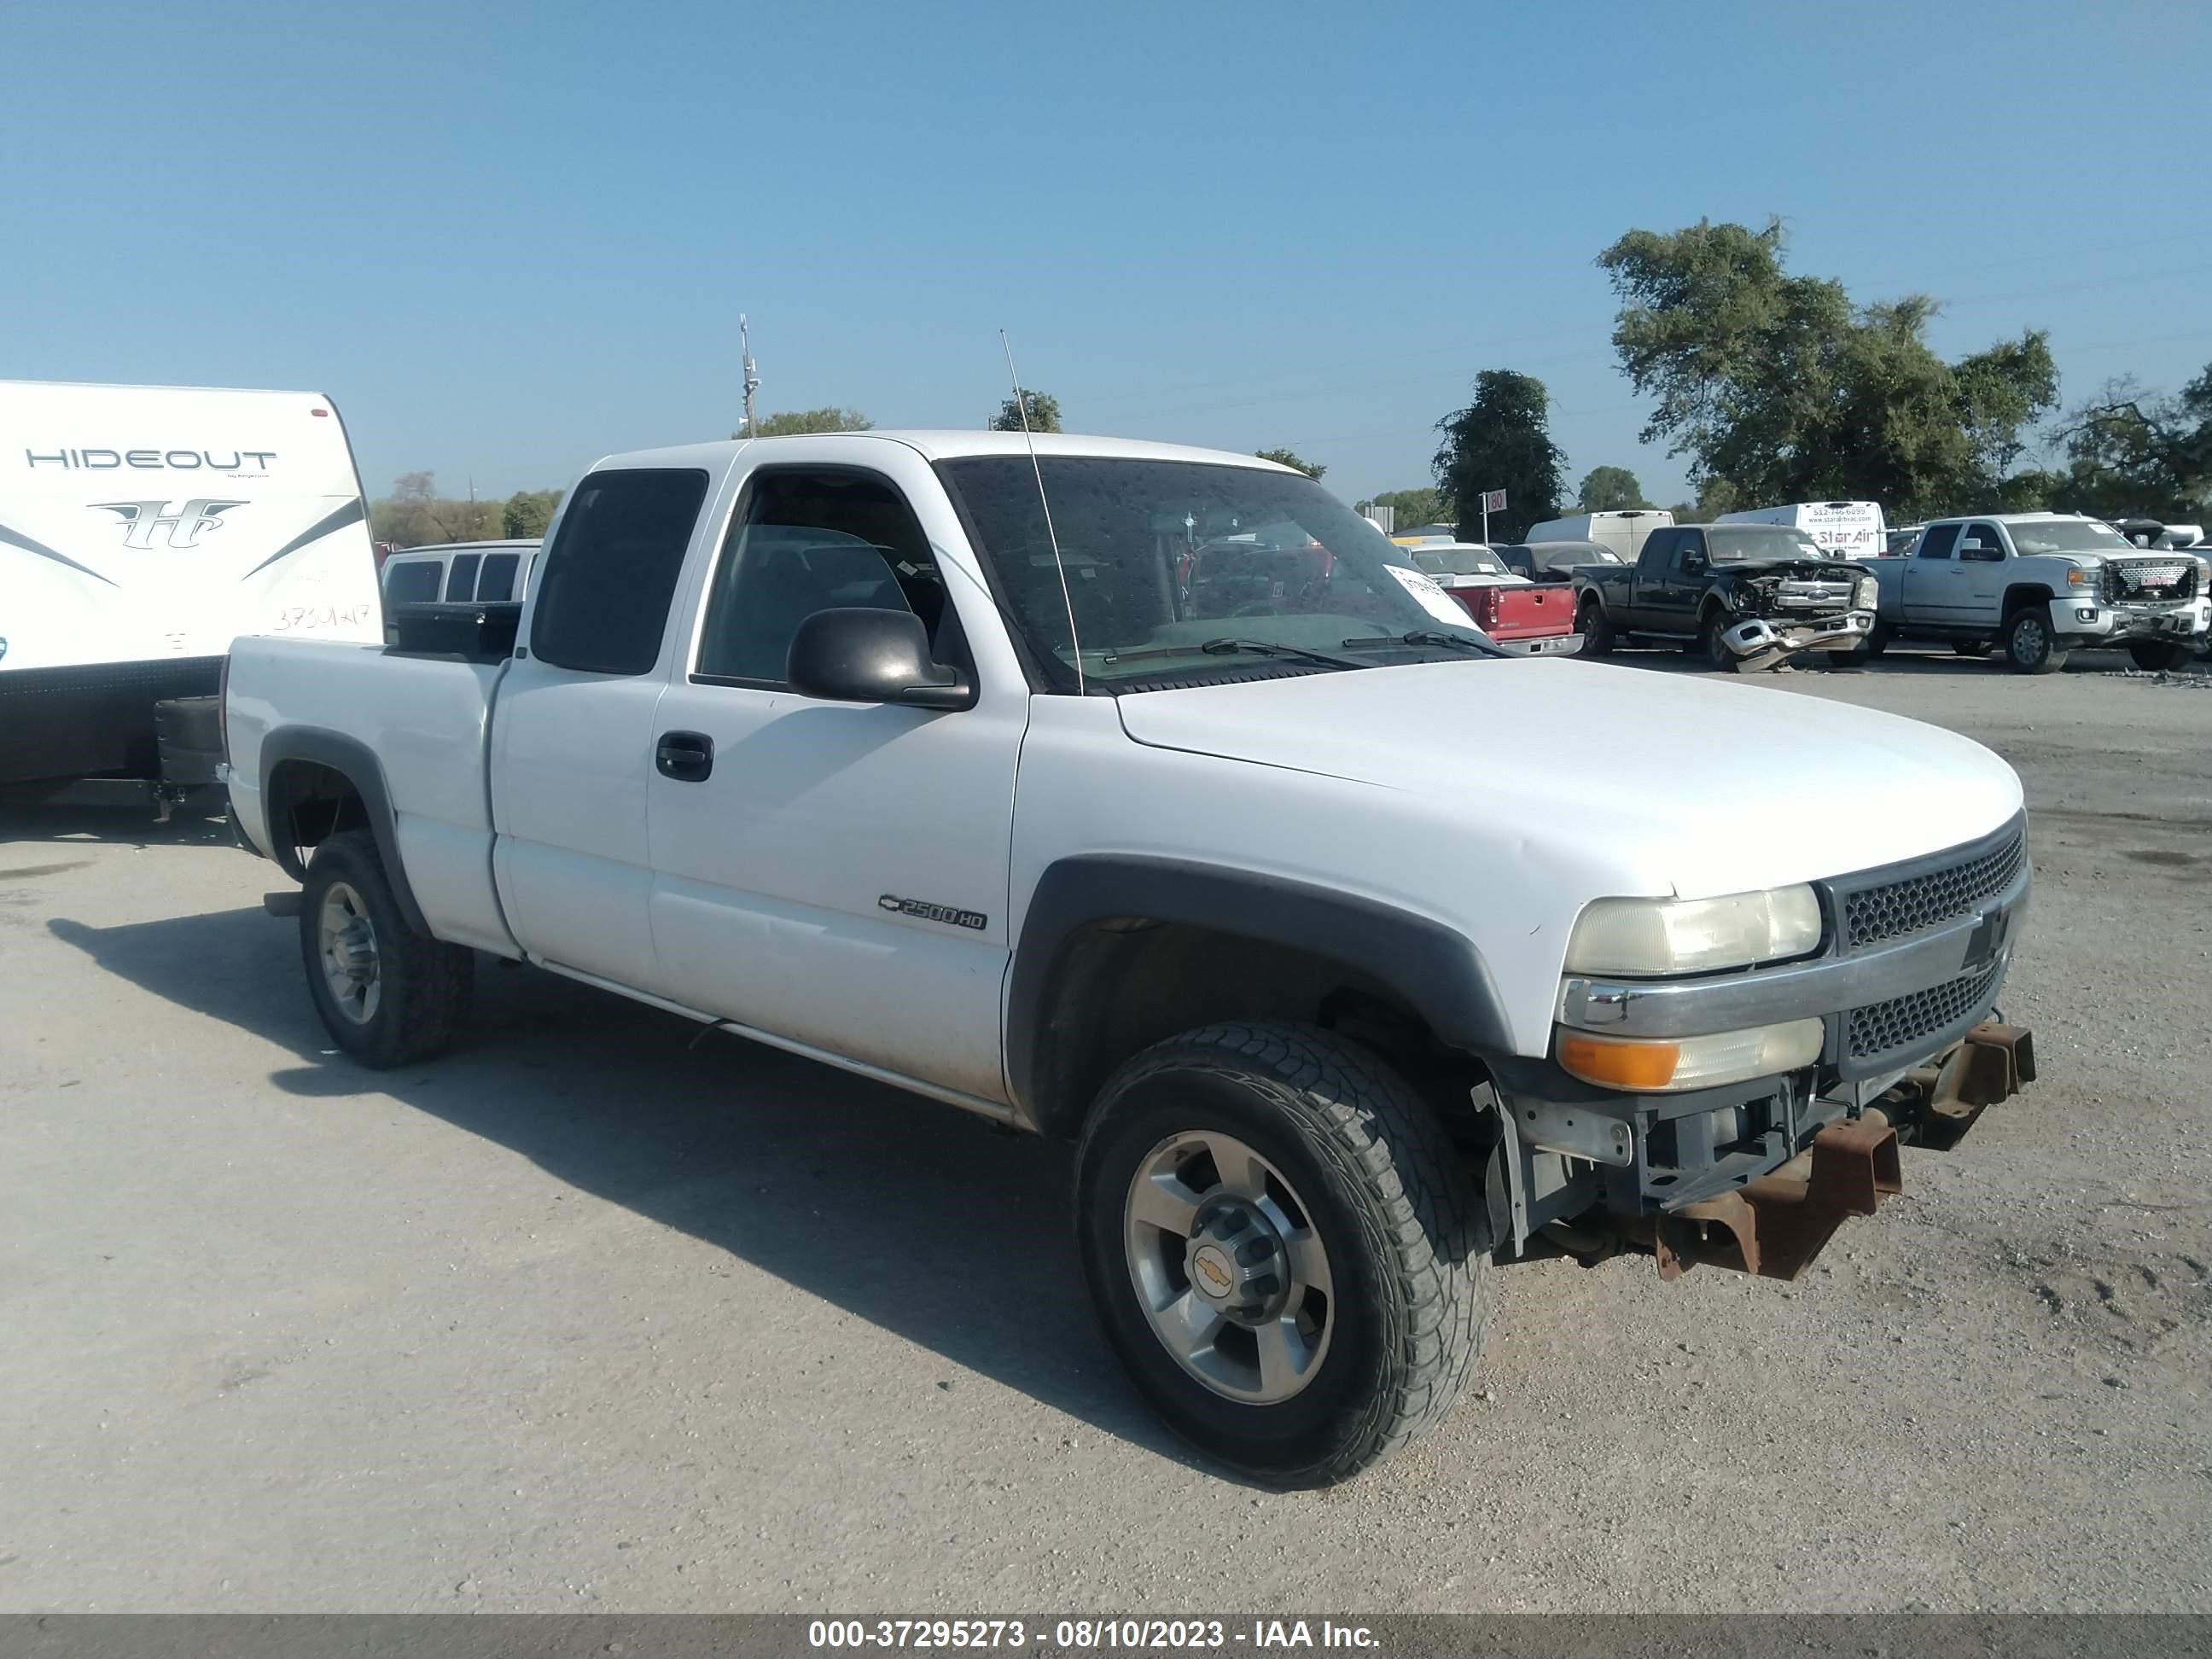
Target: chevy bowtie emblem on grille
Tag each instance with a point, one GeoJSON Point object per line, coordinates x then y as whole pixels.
{"type": "Point", "coordinates": [1987, 942]}
{"type": "Point", "coordinates": [144, 519]}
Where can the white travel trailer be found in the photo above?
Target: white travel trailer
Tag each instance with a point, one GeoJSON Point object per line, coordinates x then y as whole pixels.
{"type": "Point", "coordinates": [1842, 530]}
{"type": "Point", "coordinates": [1623, 532]}
{"type": "Point", "coordinates": [141, 529]}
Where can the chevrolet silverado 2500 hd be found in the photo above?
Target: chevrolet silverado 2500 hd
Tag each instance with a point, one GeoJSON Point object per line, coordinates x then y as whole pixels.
{"type": "Point", "coordinates": [910, 753]}
{"type": "Point", "coordinates": [2040, 586]}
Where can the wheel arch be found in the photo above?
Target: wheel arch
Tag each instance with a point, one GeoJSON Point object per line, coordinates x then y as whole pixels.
{"type": "Point", "coordinates": [315, 783]}
{"type": "Point", "coordinates": [1116, 952]}
{"type": "Point", "coordinates": [2024, 596]}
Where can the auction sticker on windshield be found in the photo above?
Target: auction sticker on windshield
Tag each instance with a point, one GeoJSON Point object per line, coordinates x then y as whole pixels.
{"type": "Point", "coordinates": [1431, 597]}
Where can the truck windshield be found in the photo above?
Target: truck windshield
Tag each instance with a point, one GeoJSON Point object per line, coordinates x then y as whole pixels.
{"type": "Point", "coordinates": [1164, 558]}
{"type": "Point", "coordinates": [1757, 543]}
{"type": "Point", "coordinates": [2068, 536]}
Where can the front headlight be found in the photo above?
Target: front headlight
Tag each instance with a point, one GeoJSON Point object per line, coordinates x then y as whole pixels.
{"type": "Point", "coordinates": [1868, 594]}
{"type": "Point", "coordinates": [1653, 938]}
{"type": "Point", "coordinates": [1646, 1066]}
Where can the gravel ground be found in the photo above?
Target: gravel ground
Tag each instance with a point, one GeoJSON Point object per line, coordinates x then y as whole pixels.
{"type": "Point", "coordinates": [597, 1315]}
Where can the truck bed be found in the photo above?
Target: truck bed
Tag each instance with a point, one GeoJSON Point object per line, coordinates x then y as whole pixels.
{"type": "Point", "coordinates": [1510, 611]}
{"type": "Point", "coordinates": [425, 718]}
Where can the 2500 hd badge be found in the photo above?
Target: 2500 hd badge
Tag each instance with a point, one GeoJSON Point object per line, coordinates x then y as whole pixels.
{"type": "Point", "coordinates": [923, 909]}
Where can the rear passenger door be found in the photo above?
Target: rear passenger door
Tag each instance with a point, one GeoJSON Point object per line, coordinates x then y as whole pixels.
{"type": "Point", "coordinates": [835, 873]}
{"type": "Point", "coordinates": [572, 737]}
{"type": "Point", "coordinates": [1935, 590]}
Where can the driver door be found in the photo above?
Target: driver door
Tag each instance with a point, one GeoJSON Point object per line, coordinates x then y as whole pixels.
{"type": "Point", "coordinates": [832, 874]}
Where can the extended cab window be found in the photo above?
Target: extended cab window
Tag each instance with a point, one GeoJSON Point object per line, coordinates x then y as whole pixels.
{"type": "Point", "coordinates": [816, 539]}
{"type": "Point", "coordinates": [1937, 540]}
{"type": "Point", "coordinates": [604, 593]}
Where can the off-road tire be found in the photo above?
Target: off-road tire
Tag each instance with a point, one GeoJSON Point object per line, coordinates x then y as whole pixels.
{"type": "Point", "coordinates": [1595, 628]}
{"type": "Point", "coordinates": [2029, 648]}
{"type": "Point", "coordinates": [1718, 657]}
{"type": "Point", "coordinates": [426, 985]}
{"type": "Point", "coordinates": [2160, 656]}
{"type": "Point", "coordinates": [1405, 1230]}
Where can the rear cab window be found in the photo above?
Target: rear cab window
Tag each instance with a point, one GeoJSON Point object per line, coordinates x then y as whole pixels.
{"type": "Point", "coordinates": [605, 584]}
{"type": "Point", "coordinates": [1937, 541]}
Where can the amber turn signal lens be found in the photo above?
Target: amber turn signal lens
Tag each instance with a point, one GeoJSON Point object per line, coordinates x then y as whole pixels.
{"type": "Point", "coordinates": [1614, 1064]}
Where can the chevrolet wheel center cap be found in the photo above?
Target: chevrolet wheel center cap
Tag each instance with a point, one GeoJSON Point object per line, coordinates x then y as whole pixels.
{"type": "Point", "coordinates": [1212, 1273]}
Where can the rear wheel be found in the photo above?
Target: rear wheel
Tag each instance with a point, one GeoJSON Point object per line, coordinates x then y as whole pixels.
{"type": "Point", "coordinates": [1283, 1249]}
{"type": "Point", "coordinates": [2030, 646]}
{"type": "Point", "coordinates": [387, 995]}
{"type": "Point", "coordinates": [2160, 656]}
{"type": "Point", "coordinates": [1590, 622]}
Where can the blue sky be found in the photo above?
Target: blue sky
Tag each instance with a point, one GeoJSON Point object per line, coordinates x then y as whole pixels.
{"type": "Point", "coordinates": [507, 239]}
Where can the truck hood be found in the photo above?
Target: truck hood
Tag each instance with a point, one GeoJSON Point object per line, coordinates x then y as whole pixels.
{"type": "Point", "coordinates": [1795, 569]}
{"type": "Point", "coordinates": [1665, 784]}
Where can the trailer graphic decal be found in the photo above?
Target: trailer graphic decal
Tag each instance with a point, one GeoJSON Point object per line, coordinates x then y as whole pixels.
{"type": "Point", "coordinates": [143, 518]}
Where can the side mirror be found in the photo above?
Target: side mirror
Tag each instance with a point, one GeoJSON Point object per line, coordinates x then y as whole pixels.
{"type": "Point", "coordinates": [1980, 549]}
{"type": "Point", "coordinates": [856, 655]}
{"type": "Point", "coordinates": [1693, 564]}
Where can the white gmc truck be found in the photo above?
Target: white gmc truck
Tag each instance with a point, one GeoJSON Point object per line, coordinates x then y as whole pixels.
{"type": "Point", "coordinates": [1272, 887]}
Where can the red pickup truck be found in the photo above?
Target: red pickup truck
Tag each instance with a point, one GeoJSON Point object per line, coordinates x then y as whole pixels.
{"type": "Point", "coordinates": [1532, 619]}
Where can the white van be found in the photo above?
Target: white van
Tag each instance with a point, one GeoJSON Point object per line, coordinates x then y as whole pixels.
{"type": "Point", "coordinates": [1842, 530]}
{"type": "Point", "coordinates": [1623, 532]}
{"type": "Point", "coordinates": [141, 529]}
{"type": "Point", "coordinates": [459, 572]}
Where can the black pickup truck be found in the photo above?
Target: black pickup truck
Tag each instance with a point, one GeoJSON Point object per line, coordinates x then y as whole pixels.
{"type": "Point", "coordinates": [1748, 595]}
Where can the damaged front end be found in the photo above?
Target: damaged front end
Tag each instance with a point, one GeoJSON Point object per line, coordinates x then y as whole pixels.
{"type": "Point", "coordinates": [1778, 610]}
{"type": "Point", "coordinates": [1757, 1176]}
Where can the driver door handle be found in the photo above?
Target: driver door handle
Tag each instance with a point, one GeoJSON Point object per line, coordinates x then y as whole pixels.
{"type": "Point", "coordinates": [685, 756]}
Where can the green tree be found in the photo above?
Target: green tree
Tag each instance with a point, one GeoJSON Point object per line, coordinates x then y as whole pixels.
{"type": "Point", "coordinates": [791, 423]}
{"type": "Point", "coordinates": [1043, 412]}
{"type": "Point", "coordinates": [1285, 457]}
{"type": "Point", "coordinates": [1502, 440]}
{"type": "Point", "coordinates": [1611, 490]}
{"type": "Point", "coordinates": [1409, 507]}
{"type": "Point", "coordinates": [1781, 387]}
{"type": "Point", "coordinates": [2131, 455]}
{"type": "Point", "coordinates": [528, 511]}
{"type": "Point", "coordinates": [416, 515]}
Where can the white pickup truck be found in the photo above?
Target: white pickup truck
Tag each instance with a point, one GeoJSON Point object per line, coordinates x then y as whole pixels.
{"type": "Point", "coordinates": [1282, 896]}
{"type": "Point", "coordinates": [2040, 586]}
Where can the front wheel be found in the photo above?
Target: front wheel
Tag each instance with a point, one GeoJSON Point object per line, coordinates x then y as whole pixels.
{"type": "Point", "coordinates": [1718, 655]}
{"type": "Point", "coordinates": [386, 993]}
{"type": "Point", "coordinates": [1283, 1249]}
{"type": "Point", "coordinates": [2029, 645]}
{"type": "Point", "coordinates": [2159, 656]}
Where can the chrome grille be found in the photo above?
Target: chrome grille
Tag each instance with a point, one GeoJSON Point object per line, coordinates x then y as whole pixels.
{"type": "Point", "coordinates": [1898, 907]}
{"type": "Point", "coordinates": [2154, 581]}
{"type": "Point", "coordinates": [1883, 1028]}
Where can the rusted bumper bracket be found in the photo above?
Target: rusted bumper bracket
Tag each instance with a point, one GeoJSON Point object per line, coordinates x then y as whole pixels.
{"type": "Point", "coordinates": [1775, 1225]}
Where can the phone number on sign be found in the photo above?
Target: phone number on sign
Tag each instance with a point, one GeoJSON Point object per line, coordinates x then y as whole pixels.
{"type": "Point", "coordinates": [1013, 1633]}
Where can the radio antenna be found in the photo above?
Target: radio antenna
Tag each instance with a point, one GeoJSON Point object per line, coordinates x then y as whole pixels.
{"type": "Point", "coordinates": [1052, 535]}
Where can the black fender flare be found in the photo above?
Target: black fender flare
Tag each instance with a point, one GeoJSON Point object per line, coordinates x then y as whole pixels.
{"type": "Point", "coordinates": [357, 764]}
{"type": "Point", "coordinates": [1436, 970]}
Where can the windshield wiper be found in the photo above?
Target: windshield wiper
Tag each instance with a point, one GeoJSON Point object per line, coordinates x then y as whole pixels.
{"type": "Point", "coordinates": [1227, 647]}
{"type": "Point", "coordinates": [1424, 636]}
